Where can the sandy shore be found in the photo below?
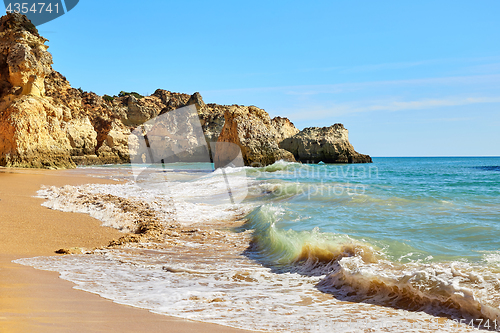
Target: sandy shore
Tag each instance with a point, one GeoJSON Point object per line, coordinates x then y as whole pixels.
{"type": "Point", "coordinates": [38, 301]}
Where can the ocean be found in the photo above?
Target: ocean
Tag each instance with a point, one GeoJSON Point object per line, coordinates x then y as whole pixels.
{"type": "Point", "coordinates": [400, 245]}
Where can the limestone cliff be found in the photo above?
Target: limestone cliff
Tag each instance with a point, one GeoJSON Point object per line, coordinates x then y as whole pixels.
{"type": "Point", "coordinates": [326, 144]}
{"type": "Point", "coordinates": [44, 122]}
{"type": "Point", "coordinates": [252, 130]}
{"type": "Point", "coordinates": [284, 128]}
{"type": "Point", "coordinates": [24, 58]}
{"type": "Point", "coordinates": [32, 135]}
{"type": "Point", "coordinates": [32, 131]}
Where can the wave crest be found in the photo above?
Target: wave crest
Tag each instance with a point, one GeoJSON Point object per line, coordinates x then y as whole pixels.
{"type": "Point", "coordinates": [281, 165]}
{"type": "Point", "coordinates": [455, 290]}
{"type": "Point", "coordinates": [355, 271]}
{"type": "Point", "coordinates": [310, 252]}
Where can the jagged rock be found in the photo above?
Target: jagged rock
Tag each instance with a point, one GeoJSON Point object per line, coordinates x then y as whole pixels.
{"type": "Point", "coordinates": [24, 60]}
{"type": "Point", "coordinates": [35, 131]}
{"type": "Point", "coordinates": [251, 129]}
{"type": "Point", "coordinates": [212, 124]}
{"type": "Point", "coordinates": [326, 144]}
{"type": "Point", "coordinates": [171, 100]}
{"type": "Point", "coordinates": [58, 89]}
{"type": "Point", "coordinates": [197, 101]}
{"type": "Point", "coordinates": [44, 122]}
{"type": "Point", "coordinates": [211, 119]}
{"type": "Point", "coordinates": [82, 136]}
{"type": "Point", "coordinates": [101, 115]}
{"type": "Point", "coordinates": [115, 147]}
{"type": "Point", "coordinates": [135, 111]}
{"type": "Point", "coordinates": [73, 250]}
{"type": "Point", "coordinates": [284, 127]}
{"type": "Point", "coordinates": [31, 135]}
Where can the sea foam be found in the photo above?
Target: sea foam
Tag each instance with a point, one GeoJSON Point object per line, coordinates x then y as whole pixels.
{"type": "Point", "coordinates": [260, 276]}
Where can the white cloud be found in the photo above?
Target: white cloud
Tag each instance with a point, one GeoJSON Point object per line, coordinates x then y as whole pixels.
{"type": "Point", "coordinates": [386, 105]}
{"type": "Point", "coordinates": [387, 66]}
{"type": "Point", "coordinates": [426, 104]}
{"type": "Point", "coordinates": [350, 87]}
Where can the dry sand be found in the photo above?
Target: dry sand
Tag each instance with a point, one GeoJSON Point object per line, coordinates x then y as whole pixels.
{"type": "Point", "coordinates": [38, 301]}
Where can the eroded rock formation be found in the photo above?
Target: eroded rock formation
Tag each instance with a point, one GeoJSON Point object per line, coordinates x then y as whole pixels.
{"type": "Point", "coordinates": [324, 144]}
{"type": "Point", "coordinates": [32, 131]}
{"type": "Point", "coordinates": [253, 131]}
{"type": "Point", "coordinates": [45, 123]}
{"type": "Point", "coordinates": [32, 135]}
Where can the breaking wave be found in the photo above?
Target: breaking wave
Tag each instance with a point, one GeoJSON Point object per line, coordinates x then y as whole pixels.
{"type": "Point", "coordinates": [357, 271]}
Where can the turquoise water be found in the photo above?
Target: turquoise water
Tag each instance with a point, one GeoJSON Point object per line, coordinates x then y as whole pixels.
{"type": "Point", "coordinates": [317, 245]}
{"type": "Point", "coordinates": [411, 208]}
{"type": "Point", "coordinates": [434, 208]}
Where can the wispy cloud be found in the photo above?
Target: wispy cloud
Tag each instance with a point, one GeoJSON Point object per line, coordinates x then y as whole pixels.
{"type": "Point", "coordinates": [368, 67]}
{"type": "Point", "coordinates": [484, 68]}
{"type": "Point", "coordinates": [349, 87]}
{"type": "Point", "coordinates": [388, 106]}
{"type": "Point", "coordinates": [466, 64]}
{"type": "Point", "coordinates": [449, 120]}
{"type": "Point", "coordinates": [387, 66]}
{"type": "Point", "coordinates": [426, 103]}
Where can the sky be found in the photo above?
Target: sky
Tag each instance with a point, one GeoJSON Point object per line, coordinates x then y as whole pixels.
{"type": "Point", "coordinates": [406, 78]}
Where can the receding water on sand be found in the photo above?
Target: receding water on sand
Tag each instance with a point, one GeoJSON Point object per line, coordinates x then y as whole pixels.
{"type": "Point", "coordinates": [402, 245]}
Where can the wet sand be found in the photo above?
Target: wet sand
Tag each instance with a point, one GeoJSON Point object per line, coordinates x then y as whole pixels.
{"type": "Point", "coordinates": [38, 301]}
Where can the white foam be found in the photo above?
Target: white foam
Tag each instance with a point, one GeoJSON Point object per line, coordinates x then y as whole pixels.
{"type": "Point", "coordinates": [69, 199]}
{"type": "Point", "coordinates": [224, 288]}
{"type": "Point", "coordinates": [210, 282]}
{"type": "Point", "coordinates": [203, 200]}
{"type": "Point", "coordinates": [458, 289]}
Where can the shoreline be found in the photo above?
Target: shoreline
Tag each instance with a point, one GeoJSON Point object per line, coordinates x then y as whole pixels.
{"type": "Point", "coordinates": [227, 283]}
{"type": "Point", "coordinates": [35, 300]}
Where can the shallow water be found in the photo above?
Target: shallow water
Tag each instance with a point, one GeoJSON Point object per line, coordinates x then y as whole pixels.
{"type": "Point", "coordinates": [398, 245]}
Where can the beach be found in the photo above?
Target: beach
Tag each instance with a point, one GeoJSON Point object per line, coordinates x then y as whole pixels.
{"type": "Point", "coordinates": [284, 248]}
{"type": "Point", "coordinates": [226, 186]}
{"type": "Point", "coordinates": [39, 301]}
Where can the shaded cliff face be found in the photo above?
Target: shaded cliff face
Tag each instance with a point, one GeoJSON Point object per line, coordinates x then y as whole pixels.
{"type": "Point", "coordinates": [326, 144]}
{"type": "Point", "coordinates": [45, 123]}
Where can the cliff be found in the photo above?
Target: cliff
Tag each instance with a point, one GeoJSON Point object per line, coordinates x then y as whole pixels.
{"type": "Point", "coordinates": [45, 123]}
{"type": "Point", "coordinates": [253, 131]}
{"type": "Point", "coordinates": [32, 131]}
{"type": "Point", "coordinates": [324, 144]}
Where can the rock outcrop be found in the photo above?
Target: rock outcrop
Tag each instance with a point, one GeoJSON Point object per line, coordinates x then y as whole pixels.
{"type": "Point", "coordinates": [24, 58]}
{"type": "Point", "coordinates": [253, 131]}
{"type": "Point", "coordinates": [32, 135]}
{"type": "Point", "coordinates": [284, 128]}
{"type": "Point", "coordinates": [45, 123]}
{"type": "Point", "coordinates": [32, 131]}
{"type": "Point", "coordinates": [324, 144]}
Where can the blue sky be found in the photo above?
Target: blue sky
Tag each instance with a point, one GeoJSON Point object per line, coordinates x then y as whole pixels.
{"type": "Point", "coordinates": [419, 78]}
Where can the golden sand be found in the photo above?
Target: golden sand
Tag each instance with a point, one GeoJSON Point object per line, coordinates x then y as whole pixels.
{"type": "Point", "coordinates": [38, 301]}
